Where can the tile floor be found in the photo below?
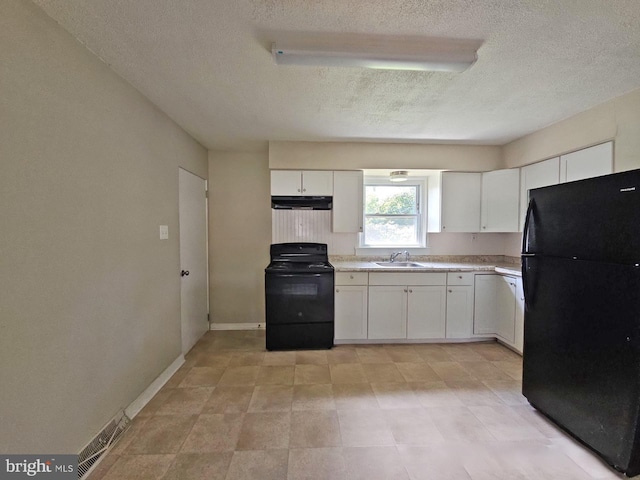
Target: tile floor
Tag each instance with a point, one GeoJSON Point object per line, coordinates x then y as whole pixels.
{"type": "Point", "coordinates": [234, 411]}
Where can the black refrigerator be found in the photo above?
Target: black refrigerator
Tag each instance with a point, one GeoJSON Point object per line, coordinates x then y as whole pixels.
{"type": "Point", "coordinates": [581, 278]}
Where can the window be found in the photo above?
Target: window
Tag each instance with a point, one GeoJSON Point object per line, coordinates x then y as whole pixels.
{"type": "Point", "coordinates": [392, 216]}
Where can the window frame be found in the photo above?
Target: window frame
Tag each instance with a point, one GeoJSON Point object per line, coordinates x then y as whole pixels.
{"type": "Point", "coordinates": [421, 214]}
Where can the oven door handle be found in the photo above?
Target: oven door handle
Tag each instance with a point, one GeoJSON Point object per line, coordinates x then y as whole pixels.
{"type": "Point", "coordinates": [296, 275]}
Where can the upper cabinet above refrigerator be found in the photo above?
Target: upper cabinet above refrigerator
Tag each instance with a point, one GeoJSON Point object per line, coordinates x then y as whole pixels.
{"type": "Point", "coordinates": [587, 163]}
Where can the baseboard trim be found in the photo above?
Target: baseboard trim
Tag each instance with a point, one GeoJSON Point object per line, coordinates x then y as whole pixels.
{"type": "Point", "coordinates": [404, 341]}
{"type": "Point", "coordinates": [138, 404]}
{"type": "Point", "coordinates": [236, 326]}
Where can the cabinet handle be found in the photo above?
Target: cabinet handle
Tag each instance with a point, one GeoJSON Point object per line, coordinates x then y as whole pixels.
{"type": "Point", "coordinates": [298, 189]}
{"type": "Point", "coordinates": [410, 291]}
{"type": "Point", "coordinates": [484, 227]}
{"type": "Point", "coordinates": [443, 227]}
{"type": "Point", "coordinates": [351, 277]}
{"type": "Point", "coordinates": [460, 277]}
{"type": "Point", "coordinates": [337, 290]}
{"type": "Point", "coordinates": [304, 189]}
{"type": "Point", "coordinates": [450, 291]}
{"type": "Point", "coordinates": [405, 290]}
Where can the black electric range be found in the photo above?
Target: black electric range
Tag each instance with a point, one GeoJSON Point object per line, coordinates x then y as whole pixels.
{"type": "Point", "coordinates": [299, 293]}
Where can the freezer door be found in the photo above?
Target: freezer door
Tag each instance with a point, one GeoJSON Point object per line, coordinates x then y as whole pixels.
{"type": "Point", "coordinates": [595, 219]}
{"type": "Point", "coordinates": [581, 364]}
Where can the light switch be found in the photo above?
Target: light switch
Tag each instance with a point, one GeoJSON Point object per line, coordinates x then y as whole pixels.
{"type": "Point", "coordinates": [164, 232]}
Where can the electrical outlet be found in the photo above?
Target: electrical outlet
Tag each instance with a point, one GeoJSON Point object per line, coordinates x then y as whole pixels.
{"type": "Point", "coordinates": [164, 232]}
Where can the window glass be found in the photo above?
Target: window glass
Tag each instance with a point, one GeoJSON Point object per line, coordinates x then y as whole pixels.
{"type": "Point", "coordinates": [392, 215]}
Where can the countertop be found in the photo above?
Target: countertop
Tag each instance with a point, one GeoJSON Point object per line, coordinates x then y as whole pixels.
{"type": "Point", "coordinates": [428, 266]}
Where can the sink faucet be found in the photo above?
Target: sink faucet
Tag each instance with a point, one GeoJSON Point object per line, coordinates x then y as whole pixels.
{"type": "Point", "coordinates": [393, 256]}
{"type": "Point", "coordinates": [406, 256]}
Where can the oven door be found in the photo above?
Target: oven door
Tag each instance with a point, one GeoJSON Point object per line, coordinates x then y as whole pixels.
{"type": "Point", "coordinates": [299, 298]}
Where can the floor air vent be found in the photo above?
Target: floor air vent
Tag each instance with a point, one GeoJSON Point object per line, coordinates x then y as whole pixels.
{"type": "Point", "coordinates": [101, 443]}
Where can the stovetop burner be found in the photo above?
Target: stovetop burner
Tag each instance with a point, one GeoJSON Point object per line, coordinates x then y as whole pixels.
{"type": "Point", "coordinates": [299, 257]}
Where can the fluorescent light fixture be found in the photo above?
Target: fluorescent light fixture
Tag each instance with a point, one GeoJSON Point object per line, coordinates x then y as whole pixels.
{"type": "Point", "coordinates": [399, 176]}
{"type": "Point", "coordinates": [438, 55]}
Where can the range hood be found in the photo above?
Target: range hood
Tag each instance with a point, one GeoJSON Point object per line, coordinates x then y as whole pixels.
{"type": "Point", "coordinates": [301, 203]}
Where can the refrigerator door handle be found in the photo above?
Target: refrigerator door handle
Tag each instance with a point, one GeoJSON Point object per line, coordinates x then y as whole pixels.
{"type": "Point", "coordinates": [529, 273]}
{"type": "Point", "coordinates": [527, 227]}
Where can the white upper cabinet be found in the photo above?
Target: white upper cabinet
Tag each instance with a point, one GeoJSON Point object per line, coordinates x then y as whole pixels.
{"type": "Point", "coordinates": [347, 201]}
{"type": "Point", "coordinates": [500, 198]}
{"type": "Point", "coordinates": [306, 182]}
{"type": "Point", "coordinates": [454, 202]}
{"type": "Point", "coordinates": [286, 182]}
{"type": "Point", "coordinates": [536, 175]}
{"type": "Point", "coordinates": [587, 163]}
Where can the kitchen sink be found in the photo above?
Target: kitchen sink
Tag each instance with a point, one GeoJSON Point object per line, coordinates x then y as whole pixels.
{"type": "Point", "coordinates": [399, 264]}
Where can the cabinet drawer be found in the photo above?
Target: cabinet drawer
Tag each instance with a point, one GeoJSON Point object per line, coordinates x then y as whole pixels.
{"type": "Point", "coordinates": [352, 278]}
{"type": "Point", "coordinates": [392, 278]}
{"type": "Point", "coordinates": [459, 278]}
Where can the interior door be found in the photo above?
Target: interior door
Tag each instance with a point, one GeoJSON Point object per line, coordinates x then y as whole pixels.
{"type": "Point", "coordinates": [193, 258]}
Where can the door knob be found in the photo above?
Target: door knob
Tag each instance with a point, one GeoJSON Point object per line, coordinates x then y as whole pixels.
{"type": "Point", "coordinates": [184, 273]}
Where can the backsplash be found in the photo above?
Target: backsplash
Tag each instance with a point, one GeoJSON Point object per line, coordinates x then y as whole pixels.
{"type": "Point", "coordinates": [499, 259]}
{"type": "Point", "coordinates": [310, 226]}
{"type": "Point", "coordinates": [316, 226]}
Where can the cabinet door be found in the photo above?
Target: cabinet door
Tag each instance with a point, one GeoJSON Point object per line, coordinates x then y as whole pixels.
{"type": "Point", "coordinates": [286, 182]}
{"type": "Point", "coordinates": [484, 312]}
{"type": "Point", "coordinates": [461, 202]}
{"type": "Point", "coordinates": [587, 163]}
{"type": "Point", "coordinates": [317, 182]}
{"type": "Point", "coordinates": [519, 320]}
{"type": "Point", "coordinates": [506, 309]}
{"type": "Point", "coordinates": [459, 311]}
{"type": "Point", "coordinates": [351, 312]}
{"type": "Point", "coordinates": [347, 201]}
{"type": "Point", "coordinates": [387, 312]}
{"type": "Point", "coordinates": [500, 199]}
{"type": "Point", "coordinates": [426, 312]}
{"type": "Point", "coordinates": [536, 175]}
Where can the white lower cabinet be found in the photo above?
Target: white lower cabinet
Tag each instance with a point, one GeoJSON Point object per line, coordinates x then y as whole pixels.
{"type": "Point", "coordinates": [407, 305]}
{"type": "Point", "coordinates": [499, 309]}
{"type": "Point", "coordinates": [519, 322]}
{"type": "Point", "coordinates": [351, 305]}
{"type": "Point", "coordinates": [351, 312]}
{"type": "Point", "coordinates": [401, 311]}
{"type": "Point", "coordinates": [506, 309]}
{"type": "Point", "coordinates": [484, 311]}
{"type": "Point", "coordinates": [459, 323]}
{"type": "Point", "coordinates": [388, 312]}
{"type": "Point", "coordinates": [459, 312]}
{"type": "Point", "coordinates": [428, 306]}
{"type": "Point", "coordinates": [426, 312]}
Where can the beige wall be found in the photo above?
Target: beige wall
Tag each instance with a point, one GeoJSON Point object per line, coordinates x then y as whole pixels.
{"type": "Point", "coordinates": [89, 295]}
{"type": "Point", "coordinates": [358, 156]}
{"type": "Point", "coordinates": [617, 120]}
{"type": "Point", "coordinates": [239, 235]}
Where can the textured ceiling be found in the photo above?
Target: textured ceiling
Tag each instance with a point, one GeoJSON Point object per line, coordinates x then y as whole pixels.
{"type": "Point", "coordinates": [207, 64]}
